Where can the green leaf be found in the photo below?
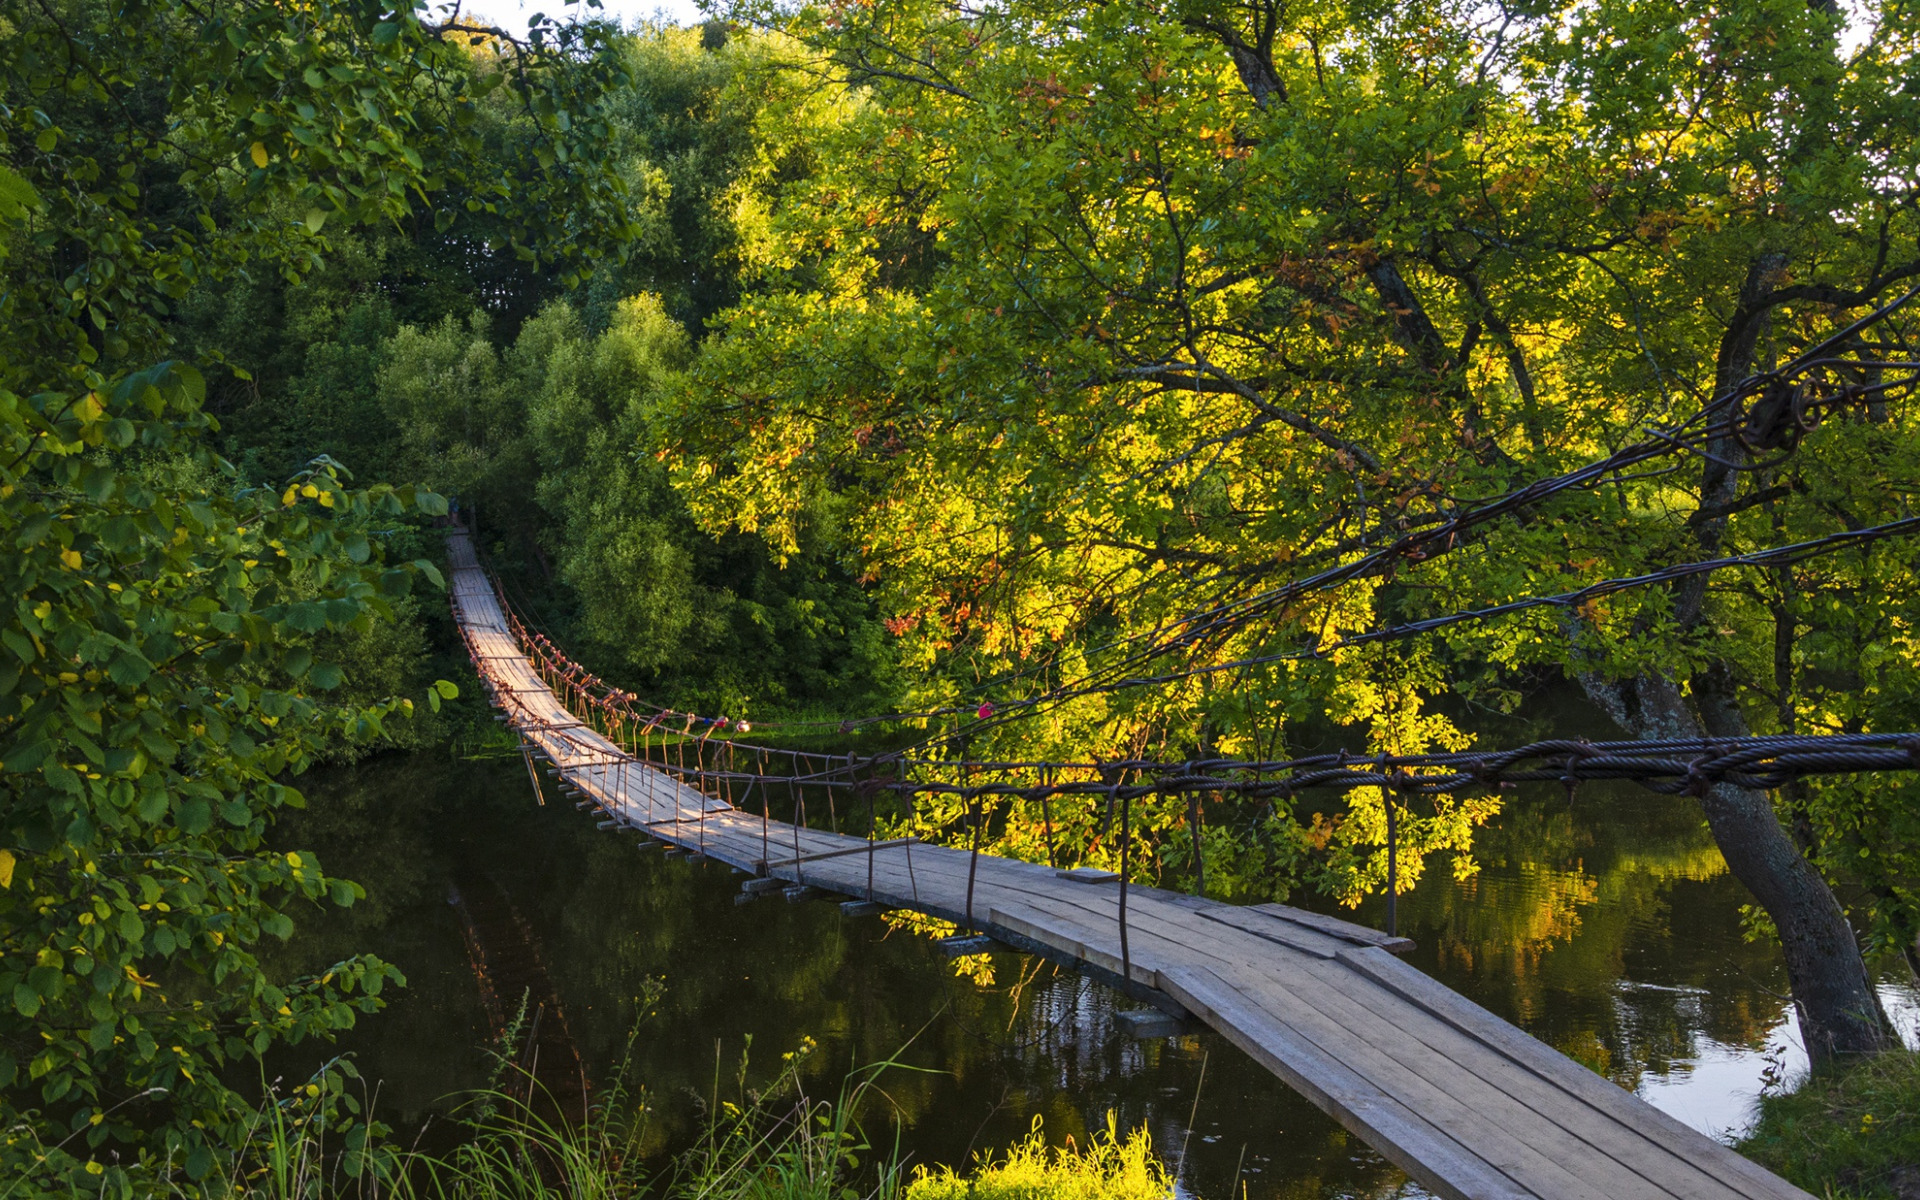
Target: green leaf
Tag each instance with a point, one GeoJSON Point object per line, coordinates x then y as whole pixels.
{"type": "Point", "coordinates": [385, 33]}
{"type": "Point", "coordinates": [195, 815]}
{"type": "Point", "coordinates": [33, 529]}
{"type": "Point", "coordinates": [29, 756]}
{"type": "Point", "coordinates": [307, 616]}
{"type": "Point", "coordinates": [26, 1001]}
{"type": "Point", "coordinates": [129, 670]}
{"type": "Point", "coordinates": [316, 218]}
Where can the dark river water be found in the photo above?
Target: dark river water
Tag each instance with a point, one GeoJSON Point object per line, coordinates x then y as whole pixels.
{"type": "Point", "coordinates": [1608, 928]}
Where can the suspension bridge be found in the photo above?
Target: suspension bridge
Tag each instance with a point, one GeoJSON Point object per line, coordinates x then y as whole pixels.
{"type": "Point", "coordinates": [1466, 1104]}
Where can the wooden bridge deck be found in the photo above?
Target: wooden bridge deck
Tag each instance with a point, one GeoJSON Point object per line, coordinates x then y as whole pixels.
{"type": "Point", "coordinates": [1465, 1103]}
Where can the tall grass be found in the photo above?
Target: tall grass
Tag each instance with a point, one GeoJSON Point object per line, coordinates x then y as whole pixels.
{"type": "Point", "coordinates": [1108, 1167]}
{"type": "Point", "coordinates": [776, 1143]}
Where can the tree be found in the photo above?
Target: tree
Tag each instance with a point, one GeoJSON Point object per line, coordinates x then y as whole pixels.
{"type": "Point", "coordinates": [1097, 315]}
{"type": "Point", "coordinates": [545, 436]}
{"type": "Point", "coordinates": [161, 676]}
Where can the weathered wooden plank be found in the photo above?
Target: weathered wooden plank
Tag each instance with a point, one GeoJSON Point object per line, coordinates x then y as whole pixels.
{"type": "Point", "coordinates": [1294, 937]}
{"type": "Point", "coordinates": [1746, 1177]}
{"type": "Point", "coordinates": [1334, 926]}
{"type": "Point", "coordinates": [1401, 1134]}
{"type": "Point", "coordinates": [1481, 1076]}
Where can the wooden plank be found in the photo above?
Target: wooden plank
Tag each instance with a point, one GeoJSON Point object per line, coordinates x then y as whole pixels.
{"type": "Point", "coordinates": [1294, 937]}
{"type": "Point", "coordinates": [1463, 1055]}
{"type": "Point", "coordinates": [1089, 875]}
{"type": "Point", "coordinates": [863, 848]}
{"type": "Point", "coordinates": [1403, 1136]}
{"type": "Point", "coordinates": [1743, 1174]}
{"type": "Point", "coordinates": [1345, 930]}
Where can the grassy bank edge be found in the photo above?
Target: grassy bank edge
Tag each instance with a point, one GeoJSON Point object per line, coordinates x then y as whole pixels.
{"type": "Point", "coordinates": [1851, 1133]}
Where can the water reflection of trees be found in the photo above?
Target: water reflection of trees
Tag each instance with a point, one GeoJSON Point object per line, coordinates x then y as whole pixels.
{"type": "Point", "coordinates": [1608, 927]}
{"type": "Point", "coordinates": [982, 1063]}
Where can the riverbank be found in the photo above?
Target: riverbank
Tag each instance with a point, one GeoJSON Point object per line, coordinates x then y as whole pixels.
{"type": "Point", "coordinates": [1848, 1134]}
{"type": "Point", "coordinates": [781, 1143]}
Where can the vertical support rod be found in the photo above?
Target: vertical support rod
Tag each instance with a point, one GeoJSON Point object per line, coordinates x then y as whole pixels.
{"type": "Point", "coordinates": [766, 802]}
{"type": "Point", "coordinates": [873, 819]}
{"type": "Point", "coordinates": [1126, 852]}
{"type": "Point", "coordinates": [1193, 832]}
{"type": "Point", "coordinates": [1393, 867]}
{"type": "Point", "coordinates": [973, 861]}
{"type": "Point", "coordinates": [1046, 813]}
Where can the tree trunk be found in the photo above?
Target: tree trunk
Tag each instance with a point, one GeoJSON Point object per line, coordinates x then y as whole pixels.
{"type": "Point", "coordinates": [1840, 1013]}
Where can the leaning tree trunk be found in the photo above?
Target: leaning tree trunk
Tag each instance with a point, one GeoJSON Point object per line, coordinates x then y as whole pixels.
{"type": "Point", "coordinates": [1839, 1010]}
{"type": "Point", "coordinates": [1840, 1013]}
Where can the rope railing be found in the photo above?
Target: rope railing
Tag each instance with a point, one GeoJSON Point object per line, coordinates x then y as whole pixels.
{"type": "Point", "coordinates": [1765, 413]}
{"type": "Point", "coordinates": [692, 755]}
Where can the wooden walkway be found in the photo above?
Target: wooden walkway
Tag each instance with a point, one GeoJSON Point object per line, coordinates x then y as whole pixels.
{"type": "Point", "coordinates": [1466, 1104]}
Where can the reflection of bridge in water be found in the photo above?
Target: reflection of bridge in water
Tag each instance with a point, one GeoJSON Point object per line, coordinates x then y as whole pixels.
{"type": "Point", "coordinates": [1465, 1103]}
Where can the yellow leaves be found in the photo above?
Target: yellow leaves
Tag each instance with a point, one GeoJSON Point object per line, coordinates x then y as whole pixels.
{"type": "Point", "coordinates": [71, 558]}
{"type": "Point", "coordinates": [259, 153]}
{"type": "Point", "coordinates": [6, 869]}
{"type": "Point", "coordinates": [289, 497]}
{"type": "Point", "coordinates": [42, 610]}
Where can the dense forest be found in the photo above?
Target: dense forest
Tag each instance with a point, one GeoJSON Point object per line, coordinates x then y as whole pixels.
{"type": "Point", "coordinates": [836, 360]}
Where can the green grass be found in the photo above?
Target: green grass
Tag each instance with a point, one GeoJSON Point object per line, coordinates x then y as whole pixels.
{"type": "Point", "coordinates": [1848, 1134]}
{"type": "Point", "coordinates": [1108, 1167]}
{"type": "Point", "coordinates": [779, 1145]}
{"type": "Point", "coordinates": [309, 1142]}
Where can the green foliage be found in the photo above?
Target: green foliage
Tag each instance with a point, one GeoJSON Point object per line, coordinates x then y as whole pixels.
{"type": "Point", "coordinates": [544, 440]}
{"type": "Point", "coordinates": [159, 683]}
{"type": "Point", "coordinates": [177, 640]}
{"type": "Point", "coordinates": [1080, 317]}
{"type": "Point", "coordinates": [1852, 1133]}
{"type": "Point", "coordinates": [689, 119]}
{"type": "Point", "coordinates": [1109, 1167]}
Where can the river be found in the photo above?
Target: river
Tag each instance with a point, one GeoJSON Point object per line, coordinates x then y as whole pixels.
{"type": "Point", "coordinates": [1607, 927]}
